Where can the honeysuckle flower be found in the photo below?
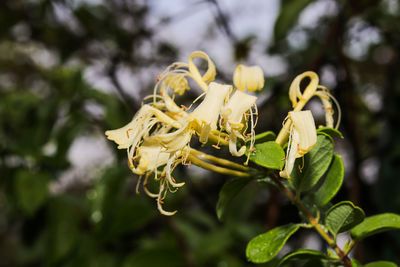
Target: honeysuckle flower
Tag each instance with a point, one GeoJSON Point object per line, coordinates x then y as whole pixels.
{"type": "Point", "coordinates": [207, 113]}
{"type": "Point", "coordinates": [233, 114]}
{"type": "Point", "coordinates": [158, 137]}
{"type": "Point", "coordinates": [131, 134]}
{"type": "Point", "coordinates": [250, 78]}
{"type": "Point", "coordinates": [299, 100]}
{"type": "Point", "coordinates": [175, 75]}
{"type": "Point", "coordinates": [303, 137]}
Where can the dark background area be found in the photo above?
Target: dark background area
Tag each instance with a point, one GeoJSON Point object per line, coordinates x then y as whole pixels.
{"type": "Point", "coordinates": [69, 70]}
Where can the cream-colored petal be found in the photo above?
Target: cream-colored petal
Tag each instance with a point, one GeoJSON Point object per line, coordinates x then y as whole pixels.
{"type": "Point", "coordinates": [159, 206]}
{"type": "Point", "coordinates": [152, 157]}
{"type": "Point", "coordinates": [168, 172]}
{"type": "Point", "coordinates": [208, 110]}
{"type": "Point", "coordinates": [233, 145]}
{"type": "Point", "coordinates": [141, 123]}
{"type": "Point", "coordinates": [250, 78]}
{"type": "Point", "coordinates": [291, 154]}
{"type": "Point", "coordinates": [295, 92]}
{"type": "Point", "coordinates": [237, 106]}
{"type": "Point", "coordinates": [208, 76]}
{"type": "Point", "coordinates": [304, 125]}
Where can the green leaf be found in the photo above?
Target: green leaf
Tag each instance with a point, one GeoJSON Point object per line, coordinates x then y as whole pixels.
{"type": "Point", "coordinates": [355, 263]}
{"type": "Point", "coordinates": [316, 162]}
{"type": "Point", "coordinates": [301, 254]}
{"type": "Point", "coordinates": [269, 154]}
{"type": "Point", "coordinates": [332, 132]}
{"type": "Point", "coordinates": [228, 192]}
{"type": "Point", "coordinates": [330, 185]}
{"type": "Point", "coordinates": [381, 264]}
{"type": "Point", "coordinates": [264, 137]}
{"type": "Point", "coordinates": [376, 224]}
{"type": "Point", "coordinates": [289, 13]}
{"type": "Point", "coordinates": [343, 216]}
{"type": "Point", "coordinates": [266, 246]}
{"type": "Point", "coordinates": [31, 190]}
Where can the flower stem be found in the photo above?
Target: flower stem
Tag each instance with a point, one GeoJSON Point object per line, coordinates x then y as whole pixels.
{"type": "Point", "coordinates": [205, 165]}
{"type": "Point", "coordinates": [311, 219]}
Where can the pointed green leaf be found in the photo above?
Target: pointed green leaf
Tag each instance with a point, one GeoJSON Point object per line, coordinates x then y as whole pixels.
{"type": "Point", "coordinates": [376, 224]}
{"type": "Point", "coordinates": [268, 154]}
{"type": "Point", "coordinates": [381, 264]}
{"type": "Point", "coordinates": [266, 246]}
{"type": "Point", "coordinates": [332, 132]}
{"type": "Point", "coordinates": [301, 254]}
{"type": "Point", "coordinates": [343, 216]}
{"type": "Point", "coordinates": [228, 192]}
{"type": "Point", "coordinates": [265, 137]}
{"type": "Point", "coordinates": [331, 184]}
{"type": "Point", "coordinates": [288, 15]}
{"type": "Point", "coordinates": [316, 162]}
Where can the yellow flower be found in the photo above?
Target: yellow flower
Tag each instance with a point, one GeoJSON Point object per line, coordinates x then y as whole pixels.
{"type": "Point", "coordinates": [303, 137]}
{"type": "Point", "coordinates": [158, 137]}
{"type": "Point", "coordinates": [207, 113]}
{"type": "Point", "coordinates": [250, 78]}
{"type": "Point", "coordinates": [233, 115]}
{"type": "Point", "coordinates": [140, 126]}
{"type": "Point", "coordinates": [299, 100]}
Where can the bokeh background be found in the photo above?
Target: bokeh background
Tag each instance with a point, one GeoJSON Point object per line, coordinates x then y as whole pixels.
{"type": "Point", "coordinates": [71, 69]}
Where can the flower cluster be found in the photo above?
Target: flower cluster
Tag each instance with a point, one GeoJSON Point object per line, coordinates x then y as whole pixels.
{"type": "Point", "coordinates": [299, 126]}
{"type": "Point", "coordinates": [158, 138]}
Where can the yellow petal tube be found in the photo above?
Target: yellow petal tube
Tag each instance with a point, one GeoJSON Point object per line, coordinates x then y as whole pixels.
{"type": "Point", "coordinates": [303, 137]}
{"type": "Point", "coordinates": [250, 78]}
{"type": "Point", "coordinates": [206, 114]}
{"type": "Point", "coordinates": [208, 77]}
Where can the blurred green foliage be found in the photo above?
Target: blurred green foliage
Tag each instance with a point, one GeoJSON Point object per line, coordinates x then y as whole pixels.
{"type": "Point", "coordinates": [45, 103]}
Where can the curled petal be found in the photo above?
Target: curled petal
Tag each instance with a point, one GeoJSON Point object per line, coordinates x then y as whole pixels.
{"type": "Point", "coordinates": [159, 200]}
{"type": "Point", "coordinates": [168, 173]}
{"type": "Point", "coordinates": [177, 82]}
{"type": "Point", "coordinates": [294, 90]}
{"type": "Point", "coordinates": [233, 145]}
{"type": "Point", "coordinates": [208, 76]}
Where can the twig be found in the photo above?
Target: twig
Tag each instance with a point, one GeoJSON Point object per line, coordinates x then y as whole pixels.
{"type": "Point", "coordinates": [311, 219]}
